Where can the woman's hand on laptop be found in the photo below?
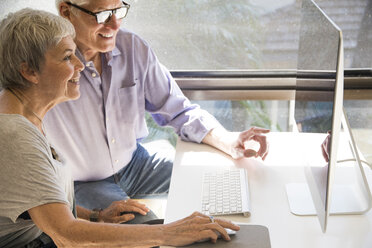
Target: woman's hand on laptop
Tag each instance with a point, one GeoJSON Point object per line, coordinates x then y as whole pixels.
{"type": "Point", "coordinates": [197, 227]}
{"type": "Point", "coordinates": [114, 212]}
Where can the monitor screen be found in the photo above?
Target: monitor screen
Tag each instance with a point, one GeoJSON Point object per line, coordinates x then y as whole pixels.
{"type": "Point", "coordinates": [319, 94]}
{"type": "Point", "coordinates": [329, 189]}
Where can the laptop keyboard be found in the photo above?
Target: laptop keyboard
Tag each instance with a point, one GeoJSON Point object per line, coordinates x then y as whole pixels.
{"type": "Point", "coordinates": [225, 192]}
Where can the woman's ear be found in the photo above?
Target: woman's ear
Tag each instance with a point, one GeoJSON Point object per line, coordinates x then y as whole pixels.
{"type": "Point", "coordinates": [64, 10]}
{"type": "Point", "coordinates": [28, 73]}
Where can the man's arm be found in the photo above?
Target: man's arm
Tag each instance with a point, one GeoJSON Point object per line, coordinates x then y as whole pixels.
{"type": "Point", "coordinates": [235, 144]}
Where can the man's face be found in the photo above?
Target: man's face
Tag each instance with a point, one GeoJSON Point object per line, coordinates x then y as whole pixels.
{"type": "Point", "coordinates": [91, 36]}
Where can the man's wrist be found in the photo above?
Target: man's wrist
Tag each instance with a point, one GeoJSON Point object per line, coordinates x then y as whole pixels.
{"type": "Point", "coordinates": [94, 215]}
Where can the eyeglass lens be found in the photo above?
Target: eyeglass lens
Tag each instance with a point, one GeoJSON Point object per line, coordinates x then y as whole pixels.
{"type": "Point", "coordinates": [104, 16]}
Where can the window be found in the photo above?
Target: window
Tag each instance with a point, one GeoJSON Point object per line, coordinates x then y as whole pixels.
{"type": "Point", "coordinates": [242, 34]}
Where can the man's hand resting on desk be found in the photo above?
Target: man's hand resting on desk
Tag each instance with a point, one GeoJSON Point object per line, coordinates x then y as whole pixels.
{"type": "Point", "coordinates": [234, 144]}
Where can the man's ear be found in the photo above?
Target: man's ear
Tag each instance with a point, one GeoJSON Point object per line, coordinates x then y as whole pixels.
{"type": "Point", "coordinates": [64, 10]}
{"type": "Point", "coordinates": [28, 73]}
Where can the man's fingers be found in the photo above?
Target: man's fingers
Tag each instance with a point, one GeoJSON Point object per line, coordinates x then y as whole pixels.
{"type": "Point", "coordinates": [261, 139]}
{"type": "Point", "coordinates": [208, 234]}
{"type": "Point", "coordinates": [134, 209]}
{"type": "Point", "coordinates": [227, 224]}
{"type": "Point", "coordinates": [267, 152]}
{"type": "Point", "coordinates": [256, 134]}
{"type": "Point", "coordinates": [260, 130]}
{"type": "Point", "coordinates": [218, 230]}
{"type": "Point", "coordinates": [325, 154]}
{"type": "Point", "coordinates": [133, 206]}
{"type": "Point", "coordinates": [139, 205]}
{"type": "Point", "coordinates": [124, 218]}
{"type": "Point", "coordinates": [250, 153]}
{"type": "Point", "coordinates": [248, 134]}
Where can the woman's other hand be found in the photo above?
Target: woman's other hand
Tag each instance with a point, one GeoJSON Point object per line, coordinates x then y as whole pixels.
{"type": "Point", "coordinates": [114, 212]}
{"type": "Point", "coordinates": [197, 227]}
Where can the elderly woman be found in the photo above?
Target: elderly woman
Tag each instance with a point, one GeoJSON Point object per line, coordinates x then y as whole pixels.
{"type": "Point", "coordinates": [38, 70]}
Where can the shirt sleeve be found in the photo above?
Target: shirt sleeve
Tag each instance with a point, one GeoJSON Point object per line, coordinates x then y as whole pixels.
{"type": "Point", "coordinates": [169, 106]}
{"type": "Point", "coordinates": [27, 175]}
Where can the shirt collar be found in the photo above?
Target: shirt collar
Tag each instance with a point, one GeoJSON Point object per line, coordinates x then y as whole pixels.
{"type": "Point", "coordinates": [108, 55]}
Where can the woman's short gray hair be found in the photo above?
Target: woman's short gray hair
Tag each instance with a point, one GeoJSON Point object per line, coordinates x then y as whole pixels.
{"type": "Point", "coordinates": [25, 36]}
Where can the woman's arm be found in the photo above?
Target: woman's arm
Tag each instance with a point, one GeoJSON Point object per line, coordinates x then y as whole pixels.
{"type": "Point", "coordinates": [56, 220]}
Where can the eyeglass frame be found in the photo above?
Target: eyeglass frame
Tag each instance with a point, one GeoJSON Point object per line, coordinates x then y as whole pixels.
{"type": "Point", "coordinates": [126, 5]}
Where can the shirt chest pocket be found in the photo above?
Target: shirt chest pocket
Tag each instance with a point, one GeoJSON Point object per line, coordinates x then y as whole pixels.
{"type": "Point", "coordinates": [132, 107]}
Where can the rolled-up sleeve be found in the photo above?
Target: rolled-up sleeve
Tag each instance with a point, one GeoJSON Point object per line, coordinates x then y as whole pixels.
{"type": "Point", "coordinates": [169, 106]}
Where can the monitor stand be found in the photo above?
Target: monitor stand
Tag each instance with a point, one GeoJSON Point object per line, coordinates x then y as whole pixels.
{"type": "Point", "coordinates": [347, 197]}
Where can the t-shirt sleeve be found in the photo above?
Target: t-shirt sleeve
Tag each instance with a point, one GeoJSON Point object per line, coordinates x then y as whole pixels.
{"type": "Point", "coordinates": [28, 177]}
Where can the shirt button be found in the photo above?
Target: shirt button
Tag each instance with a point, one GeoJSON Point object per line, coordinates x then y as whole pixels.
{"type": "Point", "coordinates": [94, 74]}
{"type": "Point", "coordinates": [113, 141]}
{"type": "Point", "coordinates": [87, 64]}
{"type": "Point", "coordinates": [116, 161]}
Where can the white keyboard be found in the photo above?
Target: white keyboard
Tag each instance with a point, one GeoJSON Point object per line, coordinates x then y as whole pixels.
{"type": "Point", "coordinates": [225, 192]}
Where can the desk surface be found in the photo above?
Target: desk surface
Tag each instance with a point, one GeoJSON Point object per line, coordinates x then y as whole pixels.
{"type": "Point", "coordinates": [269, 204]}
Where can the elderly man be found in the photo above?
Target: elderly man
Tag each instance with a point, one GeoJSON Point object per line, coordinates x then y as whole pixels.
{"type": "Point", "coordinates": [99, 133]}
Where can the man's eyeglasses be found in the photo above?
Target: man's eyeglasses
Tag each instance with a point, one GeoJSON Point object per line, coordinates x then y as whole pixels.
{"type": "Point", "coordinates": [105, 15]}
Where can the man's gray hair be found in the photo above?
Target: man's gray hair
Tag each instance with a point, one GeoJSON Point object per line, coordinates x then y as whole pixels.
{"type": "Point", "coordinates": [77, 2]}
{"type": "Point", "coordinates": [25, 36]}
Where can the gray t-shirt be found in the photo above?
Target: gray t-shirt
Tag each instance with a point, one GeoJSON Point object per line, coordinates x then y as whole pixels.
{"type": "Point", "coordinates": [29, 177]}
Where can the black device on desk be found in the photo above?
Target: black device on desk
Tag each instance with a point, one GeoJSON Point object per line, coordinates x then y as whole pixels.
{"type": "Point", "coordinates": [252, 236]}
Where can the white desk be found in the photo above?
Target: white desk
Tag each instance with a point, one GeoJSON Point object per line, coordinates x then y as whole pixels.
{"type": "Point", "coordinates": [269, 204]}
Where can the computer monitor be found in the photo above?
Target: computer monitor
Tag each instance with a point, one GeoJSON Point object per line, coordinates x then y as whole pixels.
{"type": "Point", "coordinates": [319, 110]}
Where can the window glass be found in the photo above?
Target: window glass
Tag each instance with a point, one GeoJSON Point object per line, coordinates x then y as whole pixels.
{"type": "Point", "coordinates": [243, 34]}
{"type": "Point", "coordinates": [359, 113]}
{"type": "Point", "coordinates": [236, 34]}
{"type": "Point", "coordinates": [216, 34]}
{"type": "Point", "coordinates": [355, 20]}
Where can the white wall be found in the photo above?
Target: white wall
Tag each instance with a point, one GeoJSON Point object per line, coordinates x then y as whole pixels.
{"type": "Point", "coordinates": [7, 6]}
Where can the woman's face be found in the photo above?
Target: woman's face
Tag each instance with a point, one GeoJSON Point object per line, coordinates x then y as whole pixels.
{"type": "Point", "coordinates": [60, 72]}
